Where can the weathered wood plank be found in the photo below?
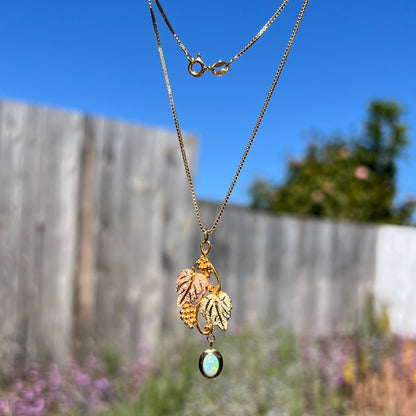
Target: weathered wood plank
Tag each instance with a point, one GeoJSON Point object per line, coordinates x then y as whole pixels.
{"type": "Point", "coordinates": [139, 191]}
{"type": "Point", "coordinates": [28, 273]}
{"type": "Point", "coordinates": [151, 282]}
{"type": "Point", "coordinates": [12, 134]}
{"type": "Point", "coordinates": [57, 218]}
{"type": "Point", "coordinates": [84, 300]}
{"type": "Point", "coordinates": [282, 260]}
{"type": "Point", "coordinates": [111, 325]}
{"type": "Point", "coordinates": [256, 288]}
{"type": "Point", "coordinates": [178, 224]}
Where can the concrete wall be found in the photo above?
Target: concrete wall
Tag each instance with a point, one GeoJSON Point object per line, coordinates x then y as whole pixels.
{"type": "Point", "coordinates": [395, 277]}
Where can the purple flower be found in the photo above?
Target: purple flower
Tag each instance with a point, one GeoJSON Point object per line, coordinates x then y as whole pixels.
{"type": "Point", "coordinates": [33, 374]}
{"type": "Point", "coordinates": [39, 386]}
{"type": "Point", "coordinates": [337, 380]}
{"type": "Point", "coordinates": [54, 378]}
{"type": "Point", "coordinates": [82, 380]}
{"type": "Point", "coordinates": [21, 409]}
{"type": "Point", "coordinates": [18, 385]}
{"type": "Point", "coordinates": [102, 383]}
{"type": "Point", "coordinates": [38, 406]}
{"type": "Point", "coordinates": [28, 394]}
{"type": "Point", "coordinates": [93, 363]}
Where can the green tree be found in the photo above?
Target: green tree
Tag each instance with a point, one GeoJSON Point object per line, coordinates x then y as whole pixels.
{"type": "Point", "coordinates": [352, 179]}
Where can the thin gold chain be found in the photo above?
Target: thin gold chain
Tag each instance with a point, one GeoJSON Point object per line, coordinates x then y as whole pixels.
{"type": "Point", "coordinates": [248, 46]}
{"type": "Point", "coordinates": [207, 231]}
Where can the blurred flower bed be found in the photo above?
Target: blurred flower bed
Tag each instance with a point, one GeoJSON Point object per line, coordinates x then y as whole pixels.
{"type": "Point", "coordinates": [79, 389]}
{"type": "Point", "coordinates": [267, 372]}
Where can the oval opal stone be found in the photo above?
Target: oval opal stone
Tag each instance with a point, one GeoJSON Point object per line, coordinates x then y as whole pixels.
{"type": "Point", "coordinates": [210, 365]}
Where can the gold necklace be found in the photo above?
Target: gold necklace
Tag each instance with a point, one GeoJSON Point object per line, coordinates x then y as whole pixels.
{"type": "Point", "coordinates": [195, 292]}
{"type": "Point", "coordinates": [220, 67]}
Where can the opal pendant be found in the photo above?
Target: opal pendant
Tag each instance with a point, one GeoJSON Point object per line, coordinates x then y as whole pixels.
{"type": "Point", "coordinates": [210, 363]}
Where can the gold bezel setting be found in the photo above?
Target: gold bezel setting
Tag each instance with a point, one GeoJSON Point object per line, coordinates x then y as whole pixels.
{"type": "Point", "coordinates": [209, 354]}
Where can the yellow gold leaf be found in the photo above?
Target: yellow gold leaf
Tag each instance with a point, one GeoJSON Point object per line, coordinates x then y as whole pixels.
{"type": "Point", "coordinates": [190, 286]}
{"type": "Point", "coordinates": [216, 309]}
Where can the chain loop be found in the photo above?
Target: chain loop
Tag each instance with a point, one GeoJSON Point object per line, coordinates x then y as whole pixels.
{"type": "Point", "coordinates": [259, 120]}
{"type": "Point", "coordinates": [220, 68]}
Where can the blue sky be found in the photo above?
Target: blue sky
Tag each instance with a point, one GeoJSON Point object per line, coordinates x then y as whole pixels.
{"type": "Point", "coordinates": [101, 57]}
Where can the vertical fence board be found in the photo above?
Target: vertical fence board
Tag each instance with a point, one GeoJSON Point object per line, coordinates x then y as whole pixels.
{"type": "Point", "coordinates": [28, 279]}
{"type": "Point", "coordinates": [84, 282]}
{"type": "Point", "coordinates": [58, 207]}
{"type": "Point", "coordinates": [151, 284]}
{"type": "Point", "coordinates": [104, 251]}
{"type": "Point", "coordinates": [111, 309]}
{"type": "Point", "coordinates": [139, 189]}
{"type": "Point", "coordinates": [283, 242]}
{"type": "Point", "coordinates": [256, 288]}
{"type": "Point", "coordinates": [12, 136]}
{"type": "Point", "coordinates": [179, 225]}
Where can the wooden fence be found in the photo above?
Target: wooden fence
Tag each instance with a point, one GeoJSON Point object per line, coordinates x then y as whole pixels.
{"type": "Point", "coordinates": [96, 221]}
{"type": "Point", "coordinates": [90, 211]}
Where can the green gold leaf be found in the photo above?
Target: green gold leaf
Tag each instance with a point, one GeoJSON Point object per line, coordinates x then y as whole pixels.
{"type": "Point", "coordinates": [216, 308]}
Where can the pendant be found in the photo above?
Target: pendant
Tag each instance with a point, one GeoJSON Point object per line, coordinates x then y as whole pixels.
{"type": "Point", "coordinates": [196, 294]}
{"type": "Point", "coordinates": [210, 363]}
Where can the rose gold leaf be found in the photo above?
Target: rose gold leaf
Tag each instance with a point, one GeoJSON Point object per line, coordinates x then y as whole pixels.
{"type": "Point", "coordinates": [190, 286]}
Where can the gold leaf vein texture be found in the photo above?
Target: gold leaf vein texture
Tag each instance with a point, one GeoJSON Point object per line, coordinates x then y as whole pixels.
{"type": "Point", "coordinates": [191, 286]}
{"type": "Point", "coordinates": [216, 308]}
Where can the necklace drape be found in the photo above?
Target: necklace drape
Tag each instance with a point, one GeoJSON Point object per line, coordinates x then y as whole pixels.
{"type": "Point", "coordinates": [253, 134]}
{"type": "Point", "coordinates": [196, 294]}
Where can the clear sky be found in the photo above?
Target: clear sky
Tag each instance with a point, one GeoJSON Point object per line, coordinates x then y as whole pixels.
{"type": "Point", "coordinates": [101, 57]}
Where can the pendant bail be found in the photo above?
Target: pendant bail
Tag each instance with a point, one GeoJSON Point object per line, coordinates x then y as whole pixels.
{"type": "Point", "coordinates": [211, 339]}
{"type": "Point", "coordinates": [205, 245]}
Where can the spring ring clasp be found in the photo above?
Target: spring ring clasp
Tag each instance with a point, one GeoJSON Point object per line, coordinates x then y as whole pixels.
{"type": "Point", "coordinates": [198, 60]}
{"type": "Point", "coordinates": [218, 68]}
